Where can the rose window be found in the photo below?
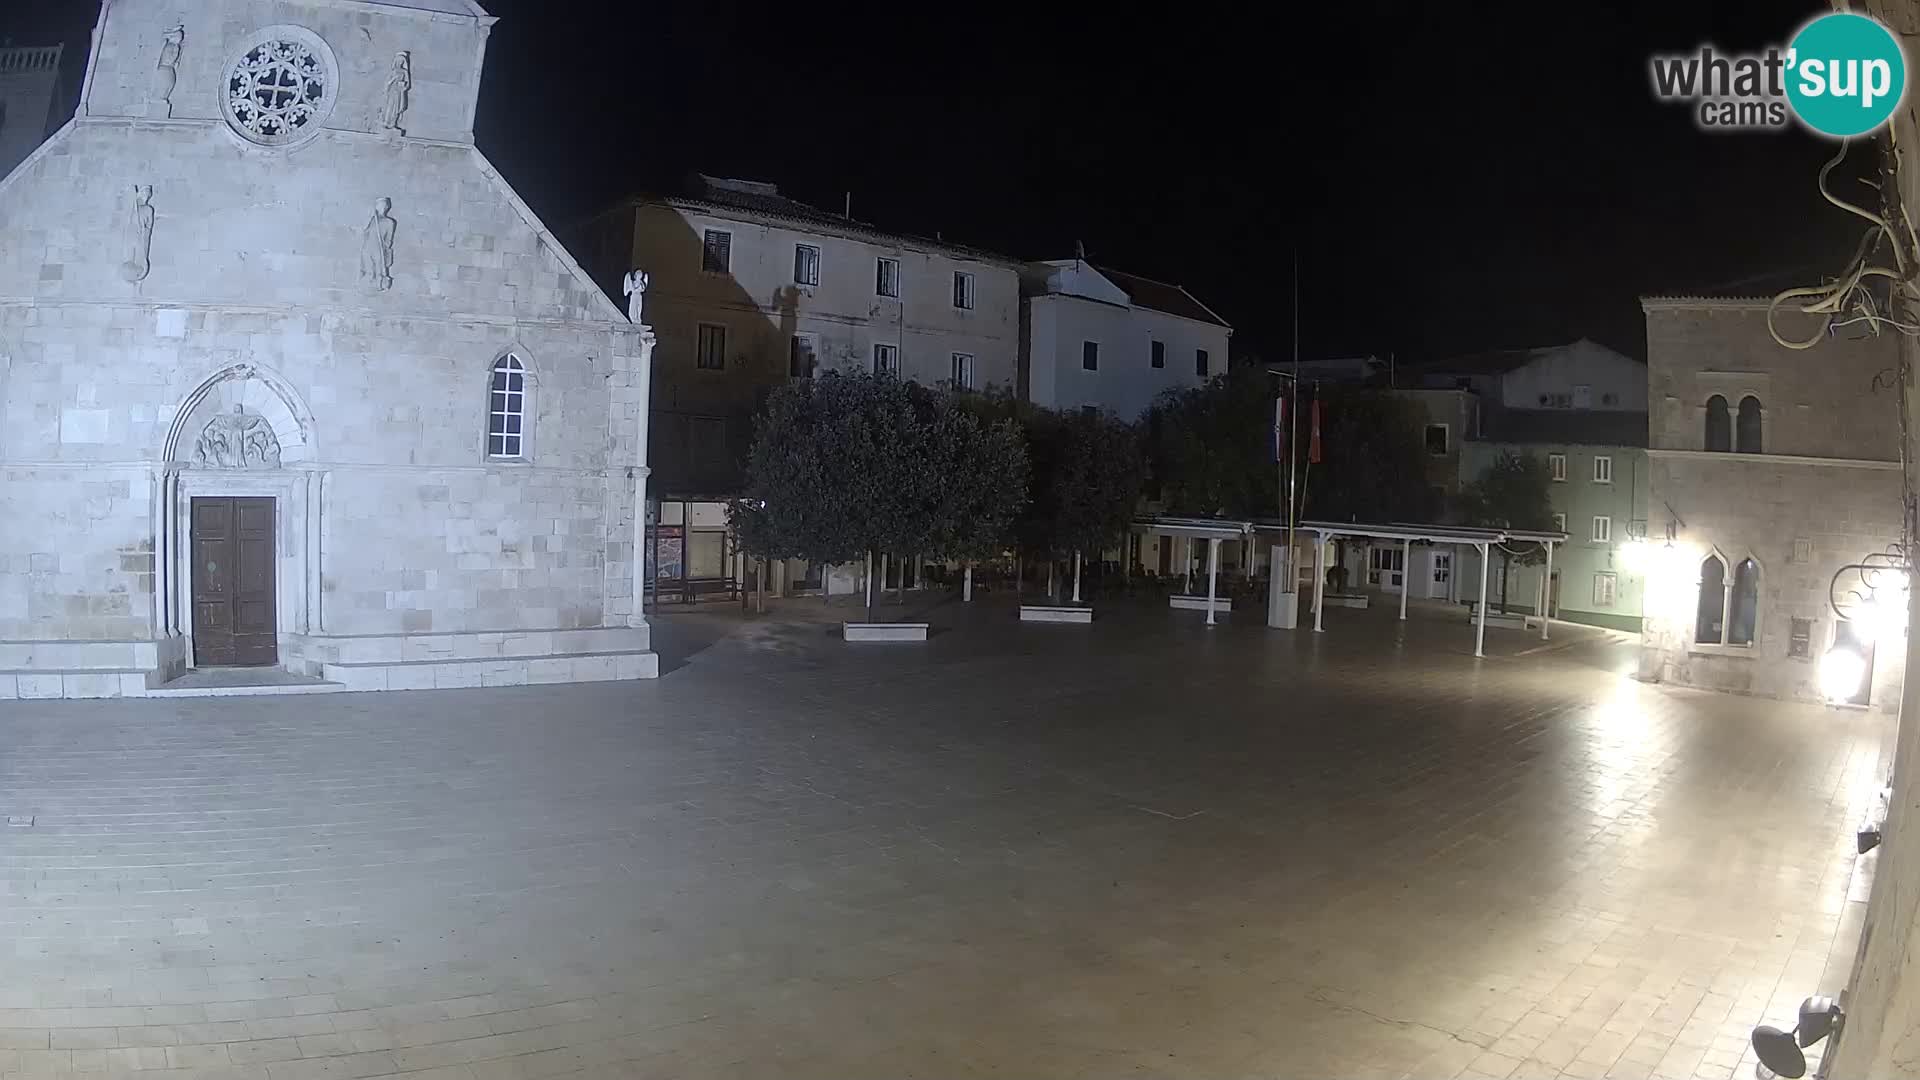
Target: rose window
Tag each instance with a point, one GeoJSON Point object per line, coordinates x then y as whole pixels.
{"type": "Point", "coordinates": [279, 90]}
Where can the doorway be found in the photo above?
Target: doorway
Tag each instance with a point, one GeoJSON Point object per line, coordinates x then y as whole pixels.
{"type": "Point", "coordinates": [233, 583]}
{"type": "Point", "coordinates": [1440, 577]}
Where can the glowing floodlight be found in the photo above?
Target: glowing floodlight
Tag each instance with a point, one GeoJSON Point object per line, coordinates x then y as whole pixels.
{"type": "Point", "coordinates": [1841, 672]}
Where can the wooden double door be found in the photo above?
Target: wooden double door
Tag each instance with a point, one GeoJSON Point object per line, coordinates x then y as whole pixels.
{"type": "Point", "coordinates": [233, 583]}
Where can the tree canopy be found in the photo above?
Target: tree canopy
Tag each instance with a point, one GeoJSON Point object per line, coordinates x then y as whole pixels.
{"type": "Point", "coordinates": [1090, 469]}
{"type": "Point", "coordinates": [1212, 451]}
{"type": "Point", "coordinates": [849, 464]}
{"type": "Point", "coordinates": [1513, 492]}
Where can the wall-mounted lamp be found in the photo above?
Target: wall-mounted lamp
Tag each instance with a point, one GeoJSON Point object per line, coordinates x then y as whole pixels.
{"type": "Point", "coordinates": [1780, 1052]}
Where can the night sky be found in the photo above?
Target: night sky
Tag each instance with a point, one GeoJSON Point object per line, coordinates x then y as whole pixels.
{"type": "Point", "coordinates": [1450, 182]}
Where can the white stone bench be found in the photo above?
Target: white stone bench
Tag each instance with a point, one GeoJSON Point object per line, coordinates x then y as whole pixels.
{"type": "Point", "coordinates": [1511, 620]}
{"type": "Point", "coordinates": [1352, 600]}
{"type": "Point", "coordinates": [884, 631]}
{"type": "Point", "coordinates": [1055, 613]}
{"type": "Point", "coordinates": [1199, 603]}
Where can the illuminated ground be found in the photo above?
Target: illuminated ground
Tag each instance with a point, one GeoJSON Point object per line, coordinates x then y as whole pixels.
{"type": "Point", "coordinates": [1136, 849]}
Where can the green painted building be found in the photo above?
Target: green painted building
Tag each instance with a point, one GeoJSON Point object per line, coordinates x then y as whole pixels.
{"type": "Point", "coordinates": [1598, 461]}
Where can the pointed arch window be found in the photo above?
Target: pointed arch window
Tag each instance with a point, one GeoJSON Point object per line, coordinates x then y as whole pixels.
{"type": "Point", "coordinates": [1710, 622]}
{"type": "Point", "coordinates": [1743, 603]}
{"type": "Point", "coordinates": [1729, 607]}
{"type": "Point", "coordinates": [1719, 425]}
{"type": "Point", "coordinates": [1746, 426]}
{"type": "Point", "coordinates": [507, 409]}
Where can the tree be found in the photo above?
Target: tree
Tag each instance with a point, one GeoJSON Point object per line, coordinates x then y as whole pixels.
{"type": "Point", "coordinates": [1212, 451]}
{"type": "Point", "coordinates": [1211, 446]}
{"type": "Point", "coordinates": [1373, 463]}
{"type": "Point", "coordinates": [1511, 493]}
{"type": "Point", "coordinates": [986, 475]}
{"type": "Point", "coordinates": [849, 465]}
{"type": "Point", "coordinates": [1089, 472]}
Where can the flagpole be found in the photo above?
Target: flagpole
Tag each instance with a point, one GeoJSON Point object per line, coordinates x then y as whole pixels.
{"type": "Point", "coordinates": [1293, 434]}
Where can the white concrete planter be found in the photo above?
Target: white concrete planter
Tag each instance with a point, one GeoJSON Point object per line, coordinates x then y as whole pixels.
{"type": "Point", "coordinates": [1283, 610]}
{"type": "Point", "coordinates": [1056, 613]}
{"type": "Point", "coordinates": [884, 631]}
{"type": "Point", "coordinates": [1198, 603]}
{"type": "Point", "coordinates": [1352, 600]}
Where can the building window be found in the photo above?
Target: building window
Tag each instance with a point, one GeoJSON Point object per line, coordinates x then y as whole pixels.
{"type": "Point", "coordinates": [1200, 366]}
{"type": "Point", "coordinates": [1602, 530]}
{"type": "Point", "coordinates": [1556, 401]}
{"type": "Point", "coordinates": [281, 89]}
{"type": "Point", "coordinates": [1719, 426]}
{"type": "Point", "coordinates": [1609, 399]}
{"type": "Point", "coordinates": [1437, 444]}
{"type": "Point", "coordinates": [1159, 353]}
{"type": "Point", "coordinates": [1559, 523]}
{"type": "Point", "coordinates": [1385, 565]}
{"type": "Point", "coordinates": [1604, 585]}
{"type": "Point", "coordinates": [800, 357]}
{"type": "Point", "coordinates": [1557, 466]}
{"type": "Point", "coordinates": [1746, 426]}
{"type": "Point", "coordinates": [806, 264]}
{"type": "Point", "coordinates": [963, 290]}
{"type": "Point", "coordinates": [716, 252]}
{"type": "Point", "coordinates": [1743, 603]}
{"type": "Point", "coordinates": [1090, 355]}
{"type": "Point", "coordinates": [1709, 621]}
{"type": "Point", "coordinates": [962, 371]}
{"type": "Point", "coordinates": [1728, 611]}
{"type": "Point", "coordinates": [507, 409]}
{"type": "Point", "coordinates": [707, 443]}
{"type": "Point", "coordinates": [1603, 470]}
{"type": "Point", "coordinates": [711, 352]}
{"type": "Point", "coordinates": [886, 277]}
{"type": "Point", "coordinates": [886, 359]}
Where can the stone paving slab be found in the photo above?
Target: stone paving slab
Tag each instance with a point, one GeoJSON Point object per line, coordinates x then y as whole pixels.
{"type": "Point", "coordinates": [1149, 849]}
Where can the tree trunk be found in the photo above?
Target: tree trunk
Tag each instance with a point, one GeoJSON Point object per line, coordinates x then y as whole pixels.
{"type": "Point", "coordinates": [1504, 564]}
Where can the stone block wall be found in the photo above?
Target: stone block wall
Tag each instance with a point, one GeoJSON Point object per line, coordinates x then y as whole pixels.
{"type": "Point", "coordinates": [1800, 523]}
{"type": "Point", "coordinates": [1696, 349]}
{"type": "Point", "coordinates": [76, 554]}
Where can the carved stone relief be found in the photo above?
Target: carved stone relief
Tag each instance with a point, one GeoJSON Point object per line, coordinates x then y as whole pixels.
{"type": "Point", "coordinates": [399, 84]}
{"type": "Point", "coordinates": [376, 248]}
{"type": "Point", "coordinates": [139, 235]}
{"type": "Point", "coordinates": [237, 440]}
{"type": "Point", "coordinates": [166, 74]}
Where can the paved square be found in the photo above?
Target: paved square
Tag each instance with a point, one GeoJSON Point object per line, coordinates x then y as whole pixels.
{"type": "Point", "coordinates": [1140, 848]}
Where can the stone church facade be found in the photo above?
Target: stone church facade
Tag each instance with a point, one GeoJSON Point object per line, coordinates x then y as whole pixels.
{"type": "Point", "coordinates": [290, 376]}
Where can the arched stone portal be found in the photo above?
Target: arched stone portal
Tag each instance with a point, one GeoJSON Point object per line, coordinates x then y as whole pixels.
{"type": "Point", "coordinates": [242, 439]}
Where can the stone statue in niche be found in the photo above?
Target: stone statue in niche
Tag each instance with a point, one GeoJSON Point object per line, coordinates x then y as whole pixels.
{"type": "Point", "coordinates": [634, 285]}
{"type": "Point", "coordinates": [237, 440]}
{"type": "Point", "coordinates": [399, 85]}
{"type": "Point", "coordinates": [139, 235]}
{"type": "Point", "coordinates": [376, 248]}
{"type": "Point", "coordinates": [166, 74]}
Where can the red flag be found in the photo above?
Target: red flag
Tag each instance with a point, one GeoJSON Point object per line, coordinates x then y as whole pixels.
{"type": "Point", "coordinates": [1313, 440]}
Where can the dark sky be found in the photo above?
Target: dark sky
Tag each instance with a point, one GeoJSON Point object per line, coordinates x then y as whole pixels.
{"type": "Point", "coordinates": [1450, 179]}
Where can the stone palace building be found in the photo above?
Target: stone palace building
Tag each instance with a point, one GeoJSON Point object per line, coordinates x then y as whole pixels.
{"type": "Point", "coordinates": [289, 376]}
